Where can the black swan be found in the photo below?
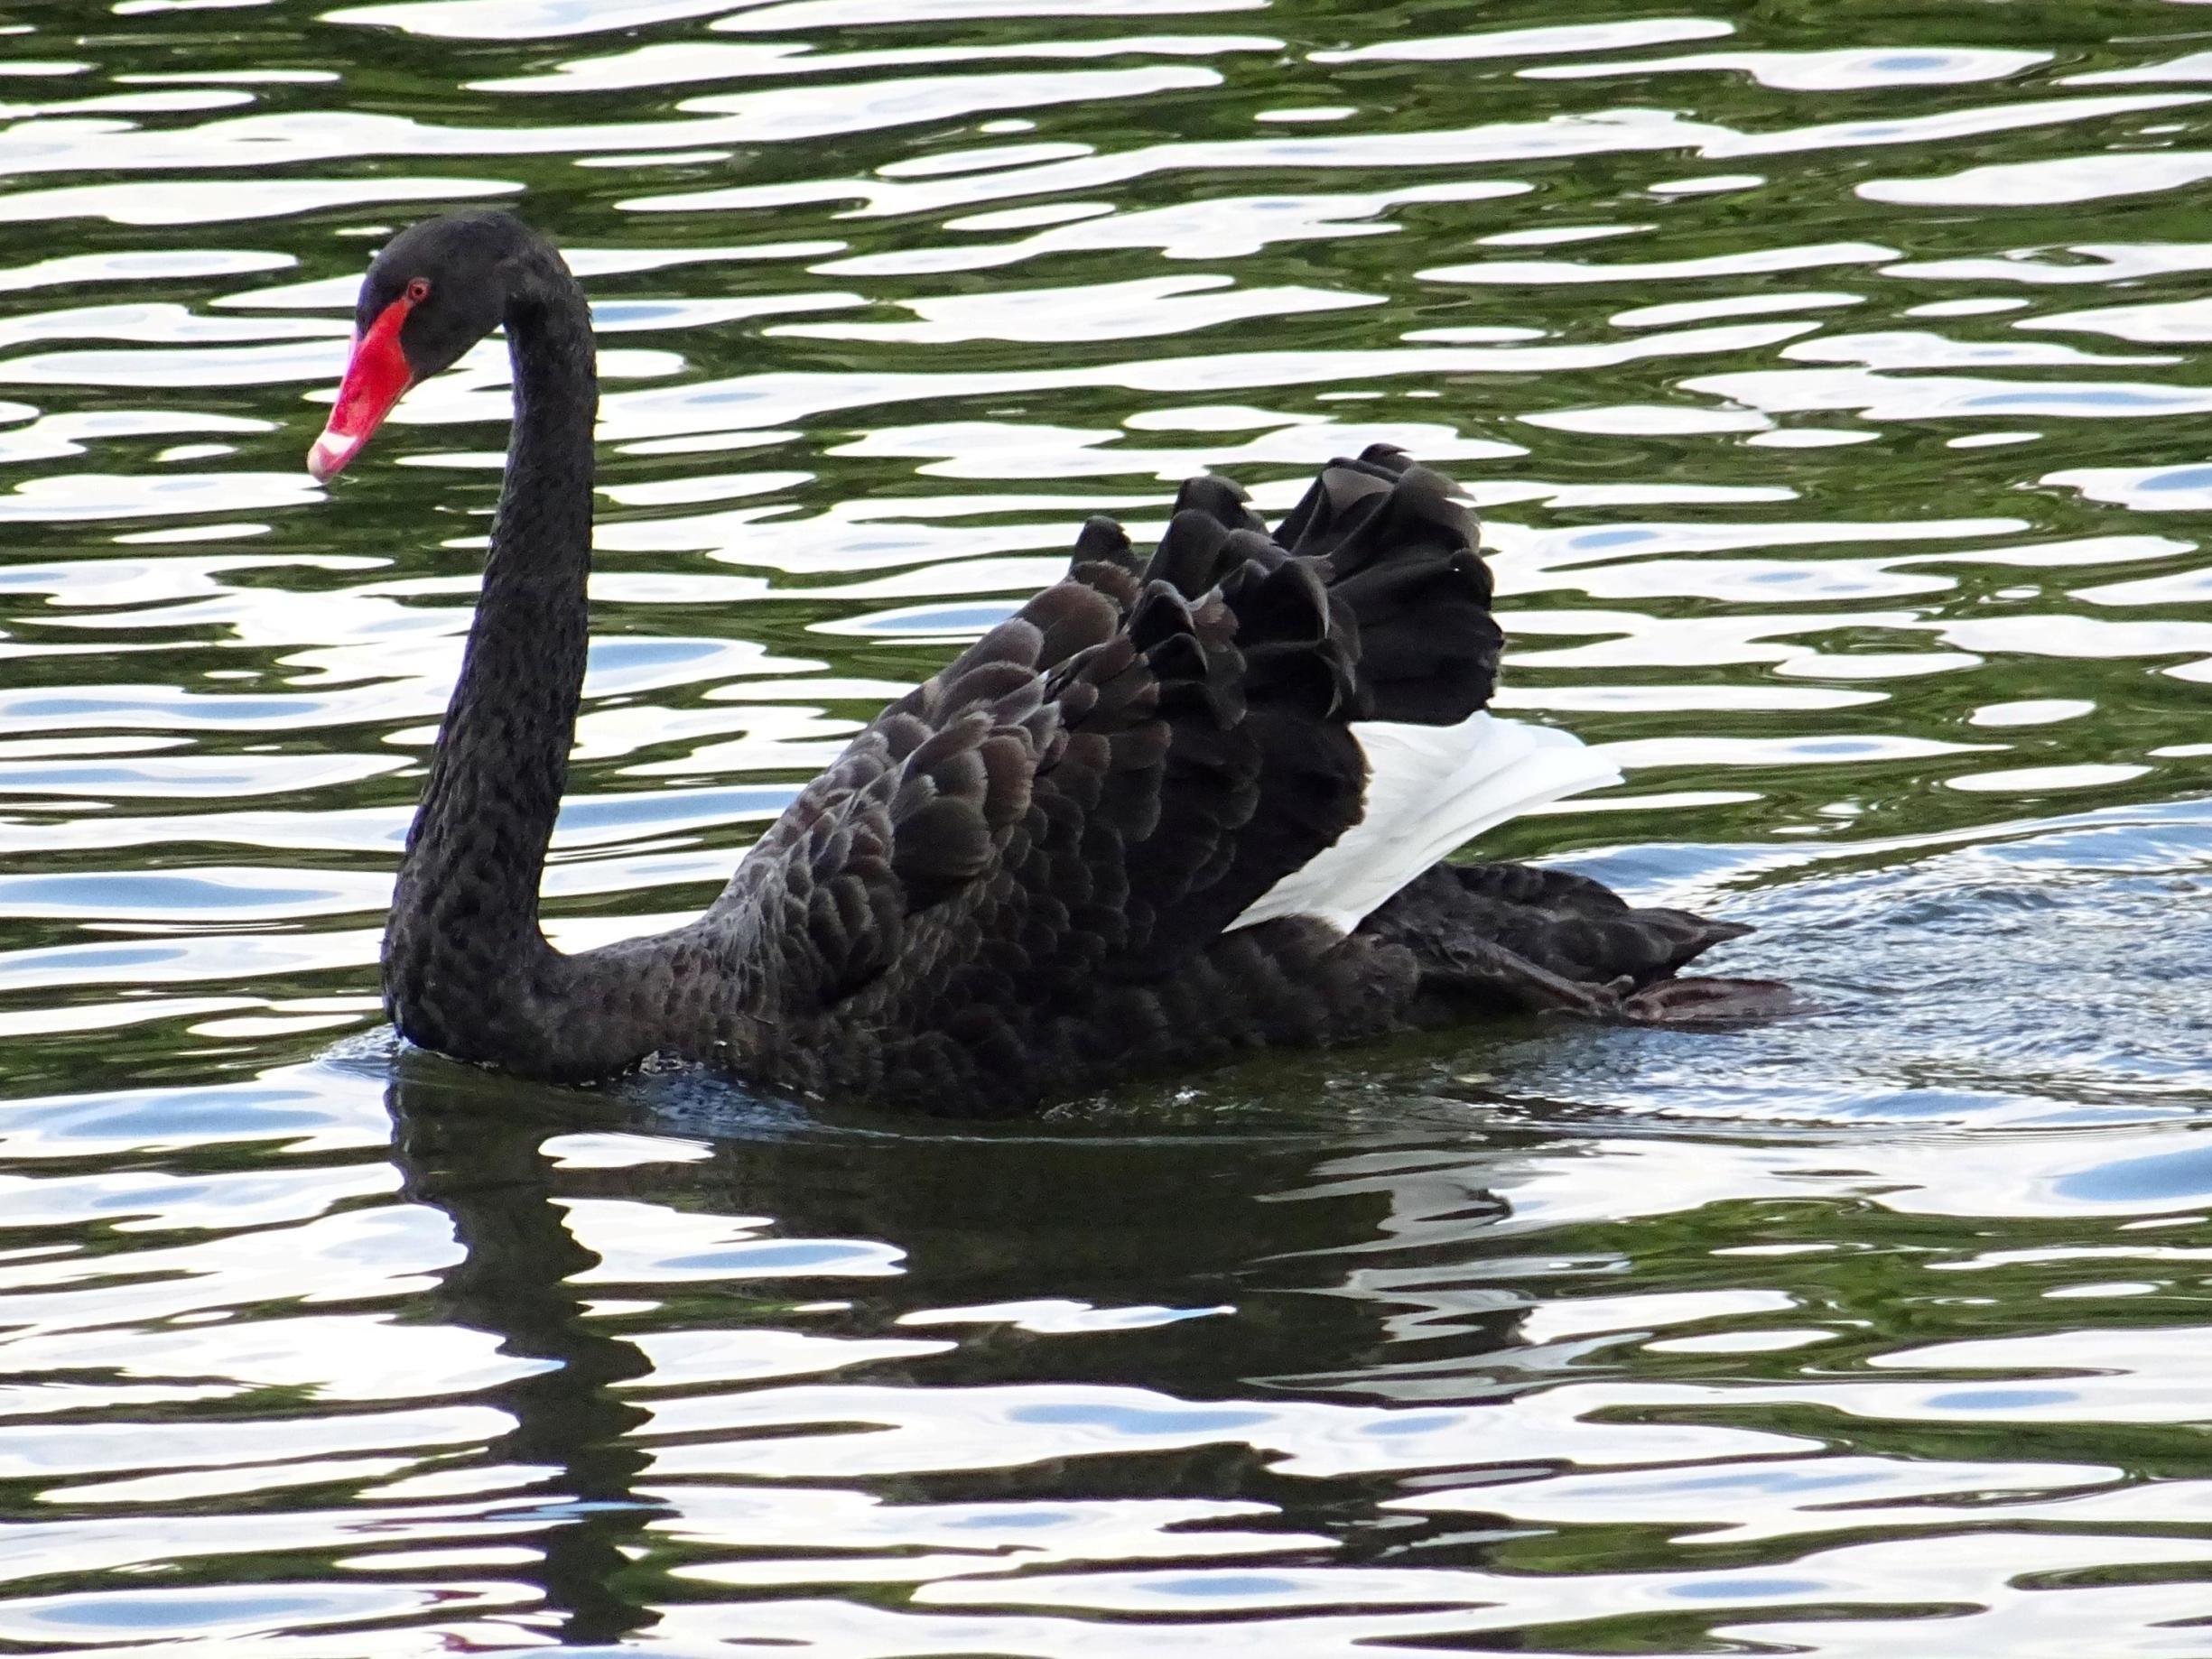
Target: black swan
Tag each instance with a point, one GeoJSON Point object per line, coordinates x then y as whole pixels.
{"type": "Point", "coordinates": [1176, 807]}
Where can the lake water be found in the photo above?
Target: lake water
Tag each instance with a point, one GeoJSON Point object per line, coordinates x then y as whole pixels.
{"type": "Point", "coordinates": [1836, 380]}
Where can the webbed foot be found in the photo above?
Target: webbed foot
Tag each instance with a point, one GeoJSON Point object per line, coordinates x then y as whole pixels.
{"type": "Point", "coordinates": [1709, 1001]}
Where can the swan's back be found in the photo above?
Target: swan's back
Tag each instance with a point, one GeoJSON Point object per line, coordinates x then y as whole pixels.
{"type": "Point", "coordinates": [1141, 822]}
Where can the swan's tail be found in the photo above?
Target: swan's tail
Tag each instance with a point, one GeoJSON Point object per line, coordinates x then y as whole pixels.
{"type": "Point", "coordinates": [1517, 936]}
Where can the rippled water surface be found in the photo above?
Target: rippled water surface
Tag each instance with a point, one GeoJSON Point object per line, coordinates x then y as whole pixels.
{"type": "Point", "coordinates": [1836, 381]}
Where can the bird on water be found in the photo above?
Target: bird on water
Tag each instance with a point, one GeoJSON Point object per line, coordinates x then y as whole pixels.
{"type": "Point", "coordinates": [1178, 806]}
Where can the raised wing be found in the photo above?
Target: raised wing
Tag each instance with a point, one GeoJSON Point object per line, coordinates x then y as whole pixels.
{"type": "Point", "coordinates": [1104, 785]}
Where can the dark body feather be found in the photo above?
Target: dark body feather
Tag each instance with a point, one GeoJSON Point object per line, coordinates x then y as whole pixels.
{"type": "Point", "coordinates": [1015, 885]}
{"type": "Point", "coordinates": [1021, 881]}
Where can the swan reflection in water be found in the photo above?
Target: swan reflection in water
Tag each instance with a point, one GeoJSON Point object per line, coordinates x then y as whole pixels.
{"type": "Point", "coordinates": [481, 1161]}
{"type": "Point", "coordinates": [1282, 1266]}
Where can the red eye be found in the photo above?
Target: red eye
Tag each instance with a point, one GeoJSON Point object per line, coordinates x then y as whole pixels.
{"type": "Point", "coordinates": [418, 290]}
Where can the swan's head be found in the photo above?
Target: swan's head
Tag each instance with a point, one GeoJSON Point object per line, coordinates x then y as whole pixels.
{"type": "Point", "coordinates": [436, 289]}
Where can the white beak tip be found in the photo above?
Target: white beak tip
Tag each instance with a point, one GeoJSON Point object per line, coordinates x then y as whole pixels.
{"type": "Point", "coordinates": [329, 453]}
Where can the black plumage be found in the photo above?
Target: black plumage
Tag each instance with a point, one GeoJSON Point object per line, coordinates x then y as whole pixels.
{"type": "Point", "coordinates": [1023, 878]}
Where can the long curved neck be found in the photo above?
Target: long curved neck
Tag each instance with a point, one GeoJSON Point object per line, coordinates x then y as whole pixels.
{"type": "Point", "coordinates": [495, 782]}
{"type": "Point", "coordinates": [467, 970]}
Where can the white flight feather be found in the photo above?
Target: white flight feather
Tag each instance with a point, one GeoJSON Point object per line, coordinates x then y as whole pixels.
{"type": "Point", "coordinates": [1429, 790]}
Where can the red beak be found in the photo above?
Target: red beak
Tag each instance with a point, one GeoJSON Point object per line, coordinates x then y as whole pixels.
{"type": "Point", "coordinates": [377, 376]}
